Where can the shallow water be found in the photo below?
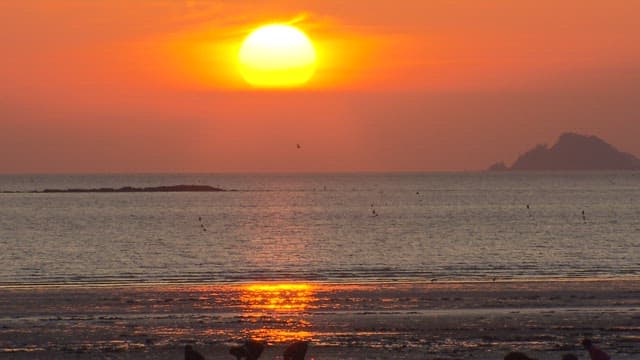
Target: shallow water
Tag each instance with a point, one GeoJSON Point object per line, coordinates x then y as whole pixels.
{"type": "Point", "coordinates": [321, 228]}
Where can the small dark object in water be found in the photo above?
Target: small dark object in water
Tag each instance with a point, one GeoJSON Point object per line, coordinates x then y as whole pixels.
{"type": "Point", "coordinates": [250, 350]}
{"type": "Point", "coordinates": [296, 351]}
{"type": "Point", "coordinates": [190, 354]}
{"type": "Point", "coordinates": [515, 355]}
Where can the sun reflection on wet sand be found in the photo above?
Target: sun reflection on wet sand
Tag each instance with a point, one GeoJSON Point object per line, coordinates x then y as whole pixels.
{"type": "Point", "coordinates": [278, 297]}
{"type": "Point", "coordinates": [279, 335]}
{"type": "Point", "coordinates": [280, 309]}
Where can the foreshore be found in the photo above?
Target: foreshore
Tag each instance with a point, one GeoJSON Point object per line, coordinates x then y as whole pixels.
{"type": "Point", "coordinates": [432, 320]}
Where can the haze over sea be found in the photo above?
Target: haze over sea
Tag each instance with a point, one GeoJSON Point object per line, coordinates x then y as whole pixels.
{"type": "Point", "coordinates": [353, 228]}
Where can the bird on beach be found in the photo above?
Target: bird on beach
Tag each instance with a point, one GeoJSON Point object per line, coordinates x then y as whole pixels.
{"type": "Point", "coordinates": [584, 217]}
{"type": "Point", "coordinates": [190, 354]}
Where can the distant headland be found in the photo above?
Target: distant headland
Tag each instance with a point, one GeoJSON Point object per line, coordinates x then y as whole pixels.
{"type": "Point", "coordinates": [572, 152]}
{"type": "Point", "coordinates": [130, 189]}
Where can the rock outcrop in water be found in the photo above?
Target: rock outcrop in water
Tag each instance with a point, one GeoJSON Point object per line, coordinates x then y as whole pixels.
{"type": "Point", "coordinates": [573, 152]}
{"type": "Point", "coordinates": [130, 189]}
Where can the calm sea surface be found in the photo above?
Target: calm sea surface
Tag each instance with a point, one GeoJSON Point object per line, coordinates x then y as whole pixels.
{"type": "Point", "coordinates": [460, 226]}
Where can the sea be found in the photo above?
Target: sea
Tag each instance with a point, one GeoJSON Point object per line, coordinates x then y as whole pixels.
{"type": "Point", "coordinates": [337, 228]}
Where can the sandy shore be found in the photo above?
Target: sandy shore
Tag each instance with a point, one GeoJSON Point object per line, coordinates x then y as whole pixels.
{"type": "Point", "coordinates": [481, 320]}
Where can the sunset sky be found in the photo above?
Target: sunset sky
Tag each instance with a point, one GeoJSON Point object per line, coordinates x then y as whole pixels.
{"type": "Point", "coordinates": [411, 85]}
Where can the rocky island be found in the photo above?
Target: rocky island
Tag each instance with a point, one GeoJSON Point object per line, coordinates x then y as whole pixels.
{"type": "Point", "coordinates": [129, 189]}
{"type": "Point", "coordinates": [572, 152]}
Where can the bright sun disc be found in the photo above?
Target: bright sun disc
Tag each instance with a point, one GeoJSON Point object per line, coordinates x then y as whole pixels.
{"type": "Point", "coordinates": [275, 56]}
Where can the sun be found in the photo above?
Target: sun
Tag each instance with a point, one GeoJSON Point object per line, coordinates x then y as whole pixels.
{"type": "Point", "coordinates": [277, 56]}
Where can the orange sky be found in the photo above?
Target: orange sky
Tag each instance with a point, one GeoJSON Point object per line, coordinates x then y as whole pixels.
{"type": "Point", "coordinates": [152, 85]}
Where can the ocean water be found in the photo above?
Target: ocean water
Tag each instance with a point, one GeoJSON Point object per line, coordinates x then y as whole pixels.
{"type": "Point", "coordinates": [321, 227]}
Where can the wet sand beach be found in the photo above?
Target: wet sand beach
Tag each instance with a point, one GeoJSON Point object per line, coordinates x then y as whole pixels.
{"type": "Point", "coordinates": [431, 320]}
